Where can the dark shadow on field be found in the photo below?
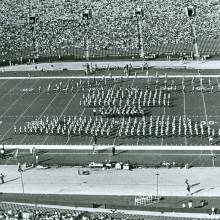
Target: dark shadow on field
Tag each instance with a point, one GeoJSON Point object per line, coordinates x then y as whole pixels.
{"type": "Point", "coordinates": [42, 152]}
{"type": "Point", "coordinates": [24, 155]}
{"type": "Point", "coordinates": [4, 140]}
{"type": "Point", "coordinates": [11, 180]}
{"type": "Point", "coordinates": [28, 168]}
{"type": "Point", "coordinates": [121, 152]}
{"type": "Point", "coordinates": [197, 191]}
{"type": "Point", "coordinates": [43, 161]}
{"type": "Point", "coordinates": [195, 184]}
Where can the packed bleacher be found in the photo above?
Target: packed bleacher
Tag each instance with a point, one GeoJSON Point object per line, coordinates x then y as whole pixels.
{"type": "Point", "coordinates": [59, 29]}
{"type": "Point", "coordinates": [31, 212]}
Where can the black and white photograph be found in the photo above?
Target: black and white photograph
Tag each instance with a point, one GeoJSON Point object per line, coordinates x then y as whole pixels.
{"type": "Point", "coordinates": [109, 109]}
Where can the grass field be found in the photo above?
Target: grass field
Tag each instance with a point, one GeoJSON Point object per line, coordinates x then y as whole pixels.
{"type": "Point", "coordinates": [21, 102]}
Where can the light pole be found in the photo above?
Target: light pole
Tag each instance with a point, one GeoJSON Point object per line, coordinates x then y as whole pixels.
{"type": "Point", "coordinates": [33, 19]}
{"type": "Point", "coordinates": [191, 13]}
{"type": "Point", "coordinates": [87, 14]}
{"type": "Point", "coordinates": [139, 14]}
{"type": "Point", "coordinates": [157, 174]}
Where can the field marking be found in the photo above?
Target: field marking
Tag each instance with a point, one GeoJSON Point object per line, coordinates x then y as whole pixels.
{"type": "Point", "coordinates": [45, 139]}
{"type": "Point", "coordinates": [116, 76]}
{"type": "Point", "coordinates": [9, 91]}
{"type": "Point", "coordinates": [67, 106]}
{"type": "Point", "coordinates": [39, 115]}
{"type": "Point", "coordinates": [218, 84]}
{"type": "Point", "coordinates": [203, 97]}
{"type": "Point", "coordinates": [20, 116]}
{"type": "Point", "coordinates": [119, 147]}
{"type": "Point", "coordinates": [15, 102]}
{"type": "Point", "coordinates": [116, 135]}
{"type": "Point", "coordinates": [125, 153]}
{"type": "Point", "coordinates": [184, 109]}
{"type": "Point", "coordinates": [191, 116]}
{"type": "Point", "coordinates": [39, 95]}
{"type": "Point", "coordinates": [91, 139]}
{"type": "Point", "coordinates": [3, 83]}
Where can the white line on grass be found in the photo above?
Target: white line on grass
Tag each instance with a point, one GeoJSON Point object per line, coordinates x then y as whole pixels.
{"type": "Point", "coordinates": [20, 116]}
{"type": "Point", "coordinates": [42, 112]}
{"type": "Point", "coordinates": [205, 110]}
{"type": "Point", "coordinates": [120, 147]}
{"type": "Point", "coordinates": [125, 153]}
{"type": "Point", "coordinates": [16, 101]}
{"type": "Point", "coordinates": [9, 91]}
{"type": "Point", "coordinates": [4, 82]}
{"type": "Point", "coordinates": [184, 108]}
{"type": "Point", "coordinates": [90, 142]}
{"type": "Point", "coordinates": [45, 139]}
{"type": "Point", "coordinates": [39, 95]}
{"type": "Point", "coordinates": [66, 107]}
{"type": "Point", "coordinates": [121, 118]}
{"type": "Point", "coordinates": [164, 111]}
{"type": "Point", "coordinates": [110, 77]}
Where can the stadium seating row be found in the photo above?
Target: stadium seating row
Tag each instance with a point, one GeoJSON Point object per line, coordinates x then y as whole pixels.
{"type": "Point", "coordinates": [60, 29]}
{"type": "Point", "coordinates": [29, 212]}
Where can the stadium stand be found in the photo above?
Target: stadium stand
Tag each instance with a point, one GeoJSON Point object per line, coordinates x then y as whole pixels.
{"type": "Point", "coordinates": [59, 29]}
{"type": "Point", "coordinates": [29, 212]}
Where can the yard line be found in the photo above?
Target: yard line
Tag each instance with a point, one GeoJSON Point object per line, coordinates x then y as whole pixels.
{"type": "Point", "coordinates": [184, 108]}
{"type": "Point", "coordinates": [4, 82]}
{"type": "Point", "coordinates": [206, 116]}
{"type": "Point", "coordinates": [43, 111]}
{"type": "Point", "coordinates": [164, 111]}
{"type": "Point", "coordinates": [9, 91]}
{"type": "Point", "coordinates": [205, 110]}
{"type": "Point", "coordinates": [45, 139]}
{"type": "Point", "coordinates": [84, 109]}
{"type": "Point", "coordinates": [15, 102]}
{"type": "Point", "coordinates": [19, 116]}
{"type": "Point", "coordinates": [67, 105]}
{"type": "Point", "coordinates": [80, 116]}
{"type": "Point", "coordinates": [217, 83]}
{"type": "Point", "coordinates": [121, 117]}
{"type": "Point", "coordinates": [39, 95]}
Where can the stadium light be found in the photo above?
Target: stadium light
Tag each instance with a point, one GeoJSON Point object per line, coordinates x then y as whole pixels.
{"type": "Point", "coordinates": [32, 21]}
{"type": "Point", "coordinates": [139, 13]}
{"type": "Point", "coordinates": [190, 11]}
{"type": "Point", "coordinates": [87, 15]}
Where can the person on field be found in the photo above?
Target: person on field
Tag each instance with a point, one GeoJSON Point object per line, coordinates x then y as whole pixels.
{"type": "Point", "coordinates": [188, 188]}
{"type": "Point", "coordinates": [2, 178]}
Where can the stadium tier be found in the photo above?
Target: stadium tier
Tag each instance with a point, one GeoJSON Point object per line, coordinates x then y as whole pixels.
{"type": "Point", "coordinates": [58, 29]}
{"type": "Point", "coordinates": [29, 212]}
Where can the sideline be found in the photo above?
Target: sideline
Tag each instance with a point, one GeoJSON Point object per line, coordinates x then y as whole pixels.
{"type": "Point", "coordinates": [113, 77]}
{"type": "Point", "coordinates": [208, 64]}
{"type": "Point", "coordinates": [119, 147]}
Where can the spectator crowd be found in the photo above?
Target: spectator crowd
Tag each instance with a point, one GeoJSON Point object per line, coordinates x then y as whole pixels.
{"type": "Point", "coordinates": [59, 28]}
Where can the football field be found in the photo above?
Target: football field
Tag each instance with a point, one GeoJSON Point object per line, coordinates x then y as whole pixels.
{"type": "Point", "coordinates": [27, 99]}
